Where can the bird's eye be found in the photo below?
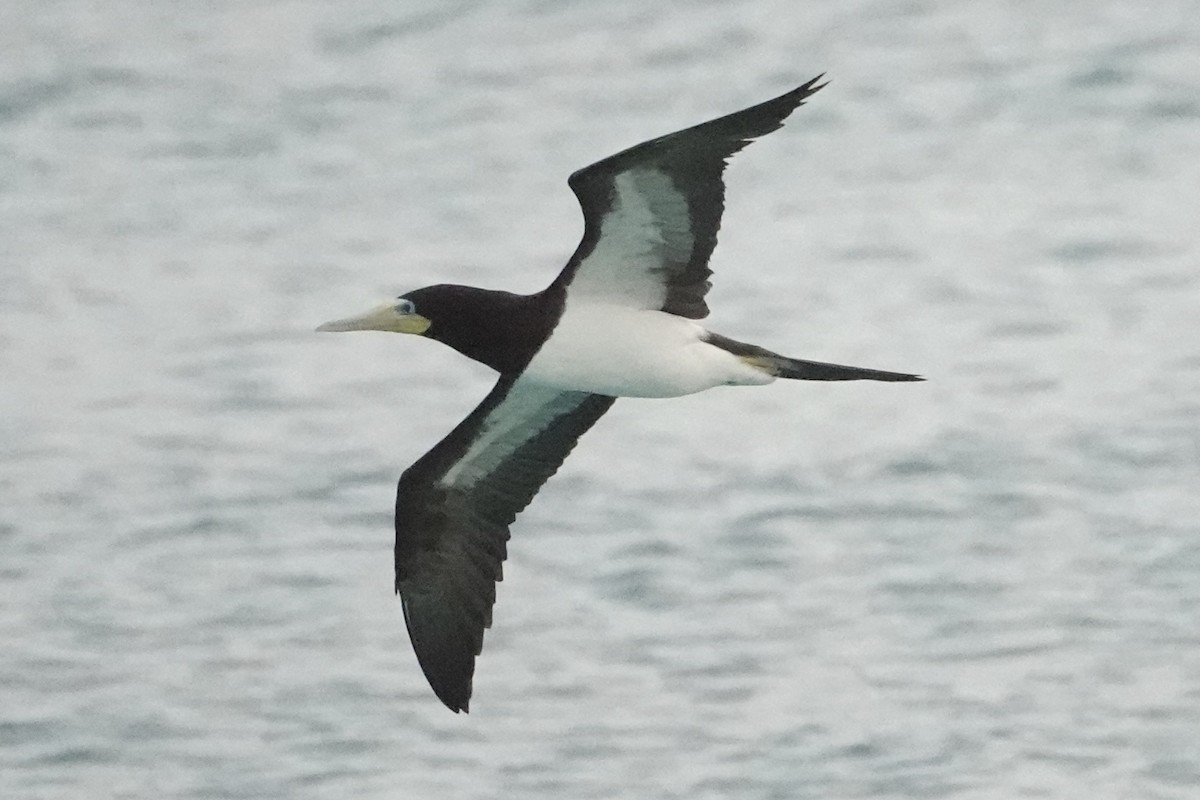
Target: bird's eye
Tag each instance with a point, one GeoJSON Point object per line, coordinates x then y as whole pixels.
{"type": "Point", "coordinates": [404, 306]}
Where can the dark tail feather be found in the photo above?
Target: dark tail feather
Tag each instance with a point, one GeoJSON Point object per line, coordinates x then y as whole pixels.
{"type": "Point", "coordinates": [795, 368]}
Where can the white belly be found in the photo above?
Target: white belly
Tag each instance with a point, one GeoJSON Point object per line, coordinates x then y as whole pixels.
{"type": "Point", "coordinates": [625, 352]}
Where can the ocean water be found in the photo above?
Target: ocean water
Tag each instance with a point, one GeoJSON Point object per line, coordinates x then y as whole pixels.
{"type": "Point", "coordinates": [983, 586]}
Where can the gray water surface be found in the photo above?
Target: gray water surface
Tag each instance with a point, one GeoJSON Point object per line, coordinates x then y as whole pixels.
{"type": "Point", "coordinates": [984, 586]}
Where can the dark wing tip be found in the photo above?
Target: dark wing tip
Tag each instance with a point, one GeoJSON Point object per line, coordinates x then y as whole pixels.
{"type": "Point", "coordinates": [450, 681]}
{"type": "Point", "coordinates": [786, 103]}
{"type": "Point", "coordinates": [444, 648]}
{"type": "Point", "coordinates": [737, 129]}
{"type": "Point", "coordinates": [812, 85]}
{"type": "Point", "coordinates": [809, 88]}
{"type": "Point", "coordinates": [456, 702]}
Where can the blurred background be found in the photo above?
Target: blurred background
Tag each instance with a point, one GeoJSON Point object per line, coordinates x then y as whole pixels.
{"type": "Point", "coordinates": [983, 586]}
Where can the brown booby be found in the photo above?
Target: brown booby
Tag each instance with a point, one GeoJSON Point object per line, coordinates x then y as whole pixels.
{"type": "Point", "coordinates": [618, 321]}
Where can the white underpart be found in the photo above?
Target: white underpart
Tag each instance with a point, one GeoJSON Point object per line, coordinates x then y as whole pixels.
{"type": "Point", "coordinates": [646, 227]}
{"type": "Point", "coordinates": [627, 352]}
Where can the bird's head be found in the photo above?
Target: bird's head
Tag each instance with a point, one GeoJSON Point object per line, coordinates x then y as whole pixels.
{"type": "Point", "coordinates": [399, 316]}
{"type": "Point", "coordinates": [494, 328]}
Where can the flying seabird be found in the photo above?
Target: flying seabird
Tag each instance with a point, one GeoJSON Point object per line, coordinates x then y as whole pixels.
{"type": "Point", "coordinates": [618, 321]}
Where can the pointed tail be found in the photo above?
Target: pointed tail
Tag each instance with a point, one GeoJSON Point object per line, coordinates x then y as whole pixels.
{"type": "Point", "coordinates": [798, 369]}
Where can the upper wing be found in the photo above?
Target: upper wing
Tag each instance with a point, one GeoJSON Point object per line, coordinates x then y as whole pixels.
{"type": "Point", "coordinates": [453, 509]}
{"type": "Point", "coordinates": [651, 212]}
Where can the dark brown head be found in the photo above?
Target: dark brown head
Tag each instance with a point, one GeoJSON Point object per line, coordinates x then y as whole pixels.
{"type": "Point", "coordinates": [499, 329]}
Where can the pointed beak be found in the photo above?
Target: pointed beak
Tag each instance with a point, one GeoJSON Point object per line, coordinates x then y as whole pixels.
{"type": "Point", "coordinates": [383, 318]}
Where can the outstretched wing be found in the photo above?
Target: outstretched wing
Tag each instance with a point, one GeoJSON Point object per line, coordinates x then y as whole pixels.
{"type": "Point", "coordinates": [651, 213]}
{"type": "Point", "coordinates": [453, 509]}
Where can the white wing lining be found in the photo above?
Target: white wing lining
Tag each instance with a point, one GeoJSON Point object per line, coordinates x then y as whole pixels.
{"type": "Point", "coordinates": [646, 227]}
